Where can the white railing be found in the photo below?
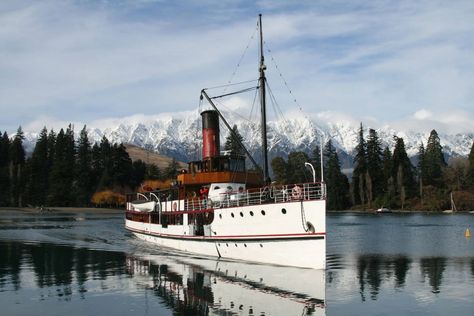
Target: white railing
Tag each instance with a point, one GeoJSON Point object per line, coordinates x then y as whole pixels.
{"type": "Point", "coordinates": [269, 194]}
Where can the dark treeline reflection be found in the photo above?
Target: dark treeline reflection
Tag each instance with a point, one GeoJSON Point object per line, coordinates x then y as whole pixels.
{"type": "Point", "coordinates": [374, 270]}
{"type": "Point", "coordinates": [68, 270]}
{"type": "Point", "coordinates": [55, 265]}
{"type": "Point", "coordinates": [66, 273]}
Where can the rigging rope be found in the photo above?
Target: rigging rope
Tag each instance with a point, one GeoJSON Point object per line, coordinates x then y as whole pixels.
{"type": "Point", "coordinates": [242, 57]}
{"type": "Point", "coordinates": [288, 87]}
{"type": "Point", "coordinates": [232, 93]}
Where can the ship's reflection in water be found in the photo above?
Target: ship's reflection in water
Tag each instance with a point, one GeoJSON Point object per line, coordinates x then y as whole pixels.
{"type": "Point", "coordinates": [202, 286]}
{"type": "Point", "coordinates": [89, 265]}
{"type": "Point", "coordinates": [35, 274]}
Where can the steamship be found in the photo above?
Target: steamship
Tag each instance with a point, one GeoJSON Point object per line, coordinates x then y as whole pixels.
{"type": "Point", "coordinates": [219, 207]}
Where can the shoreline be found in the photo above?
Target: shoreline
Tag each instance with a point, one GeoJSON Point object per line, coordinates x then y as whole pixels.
{"type": "Point", "coordinates": [100, 210]}
{"type": "Point", "coordinates": [69, 210]}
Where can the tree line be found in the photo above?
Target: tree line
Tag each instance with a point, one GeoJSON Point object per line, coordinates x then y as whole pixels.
{"type": "Point", "coordinates": [382, 178]}
{"type": "Point", "coordinates": [63, 171]}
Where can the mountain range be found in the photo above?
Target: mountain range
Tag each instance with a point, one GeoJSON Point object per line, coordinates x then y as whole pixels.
{"type": "Point", "coordinates": [179, 135]}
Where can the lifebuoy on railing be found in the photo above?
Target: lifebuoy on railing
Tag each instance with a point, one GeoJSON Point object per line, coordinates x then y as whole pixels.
{"type": "Point", "coordinates": [296, 192]}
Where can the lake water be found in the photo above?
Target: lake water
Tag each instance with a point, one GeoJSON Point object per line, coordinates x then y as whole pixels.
{"type": "Point", "coordinates": [87, 264]}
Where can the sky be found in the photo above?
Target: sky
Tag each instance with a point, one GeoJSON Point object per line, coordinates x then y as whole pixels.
{"type": "Point", "coordinates": [403, 64]}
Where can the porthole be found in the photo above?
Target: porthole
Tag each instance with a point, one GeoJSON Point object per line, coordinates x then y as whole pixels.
{"type": "Point", "coordinates": [245, 245]}
{"type": "Point", "coordinates": [283, 211]}
{"type": "Point", "coordinates": [227, 245]}
{"type": "Point", "coordinates": [219, 245]}
{"type": "Point", "coordinates": [263, 212]}
{"type": "Point", "coordinates": [220, 216]}
{"type": "Point", "coordinates": [241, 214]}
{"type": "Point", "coordinates": [235, 245]}
{"type": "Point", "coordinates": [251, 213]}
{"type": "Point", "coordinates": [232, 214]}
{"type": "Point", "coordinates": [261, 246]}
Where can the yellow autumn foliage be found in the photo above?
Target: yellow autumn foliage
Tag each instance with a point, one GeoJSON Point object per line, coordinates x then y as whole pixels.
{"type": "Point", "coordinates": [153, 185]}
{"type": "Point", "coordinates": [108, 198]}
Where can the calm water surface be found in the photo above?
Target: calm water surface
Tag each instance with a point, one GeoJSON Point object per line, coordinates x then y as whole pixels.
{"type": "Point", "coordinates": [81, 264]}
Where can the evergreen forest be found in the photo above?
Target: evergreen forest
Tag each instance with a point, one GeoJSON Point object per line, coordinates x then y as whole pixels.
{"type": "Point", "coordinates": [382, 178]}
{"type": "Point", "coordinates": [63, 171]}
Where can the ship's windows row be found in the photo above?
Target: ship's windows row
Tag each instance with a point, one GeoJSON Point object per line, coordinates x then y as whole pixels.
{"type": "Point", "coordinates": [236, 245]}
{"type": "Point", "coordinates": [283, 211]}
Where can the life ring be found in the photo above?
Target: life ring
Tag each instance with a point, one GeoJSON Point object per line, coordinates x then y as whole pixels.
{"type": "Point", "coordinates": [175, 206]}
{"type": "Point", "coordinates": [296, 193]}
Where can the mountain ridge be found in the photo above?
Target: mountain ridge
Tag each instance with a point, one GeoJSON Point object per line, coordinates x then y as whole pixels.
{"type": "Point", "coordinates": [179, 135]}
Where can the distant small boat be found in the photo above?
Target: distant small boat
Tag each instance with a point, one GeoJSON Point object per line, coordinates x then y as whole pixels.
{"type": "Point", "coordinates": [453, 206]}
{"type": "Point", "coordinates": [383, 210]}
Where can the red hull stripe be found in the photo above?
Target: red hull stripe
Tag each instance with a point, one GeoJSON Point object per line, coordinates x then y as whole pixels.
{"type": "Point", "coordinates": [234, 238]}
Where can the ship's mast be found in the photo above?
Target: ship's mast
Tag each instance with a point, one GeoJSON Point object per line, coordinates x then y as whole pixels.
{"type": "Point", "coordinates": [262, 81]}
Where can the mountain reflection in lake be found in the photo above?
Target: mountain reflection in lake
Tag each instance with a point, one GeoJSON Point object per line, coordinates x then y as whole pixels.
{"type": "Point", "coordinates": [88, 264]}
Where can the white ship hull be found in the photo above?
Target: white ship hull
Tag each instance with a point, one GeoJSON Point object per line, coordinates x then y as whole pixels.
{"type": "Point", "coordinates": [289, 233]}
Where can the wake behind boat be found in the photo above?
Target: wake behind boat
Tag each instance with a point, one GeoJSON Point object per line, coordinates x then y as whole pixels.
{"type": "Point", "coordinates": [218, 207]}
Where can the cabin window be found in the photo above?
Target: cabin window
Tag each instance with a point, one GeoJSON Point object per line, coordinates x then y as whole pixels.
{"type": "Point", "coordinates": [263, 212]}
{"type": "Point", "coordinates": [216, 188]}
{"type": "Point", "coordinates": [241, 214]}
{"type": "Point", "coordinates": [229, 188]}
{"type": "Point", "coordinates": [283, 211]}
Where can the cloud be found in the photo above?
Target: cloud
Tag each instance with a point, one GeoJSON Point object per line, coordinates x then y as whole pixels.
{"type": "Point", "coordinates": [422, 114]}
{"type": "Point", "coordinates": [90, 61]}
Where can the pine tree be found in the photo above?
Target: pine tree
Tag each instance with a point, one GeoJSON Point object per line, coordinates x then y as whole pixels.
{"type": "Point", "coordinates": [39, 170]}
{"type": "Point", "coordinates": [4, 170]}
{"type": "Point", "coordinates": [84, 177]}
{"type": "Point", "coordinates": [434, 161]}
{"type": "Point", "coordinates": [121, 167]}
{"type": "Point", "coordinates": [139, 169]}
{"type": "Point", "coordinates": [388, 187]}
{"type": "Point", "coordinates": [297, 171]}
{"type": "Point", "coordinates": [153, 172]}
{"type": "Point", "coordinates": [97, 166]}
{"type": "Point", "coordinates": [337, 182]}
{"type": "Point", "coordinates": [470, 173]}
{"type": "Point", "coordinates": [280, 170]}
{"type": "Point", "coordinates": [17, 163]}
{"type": "Point", "coordinates": [421, 169]}
{"type": "Point", "coordinates": [359, 186]}
{"type": "Point", "coordinates": [62, 171]}
{"type": "Point", "coordinates": [232, 142]}
{"type": "Point", "coordinates": [171, 171]}
{"type": "Point", "coordinates": [374, 164]}
{"type": "Point", "coordinates": [315, 160]}
{"type": "Point", "coordinates": [103, 164]}
{"type": "Point", "coordinates": [402, 172]}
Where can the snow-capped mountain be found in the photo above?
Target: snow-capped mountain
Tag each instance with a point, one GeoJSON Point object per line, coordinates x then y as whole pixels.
{"type": "Point", "coordinates": [179, 135]}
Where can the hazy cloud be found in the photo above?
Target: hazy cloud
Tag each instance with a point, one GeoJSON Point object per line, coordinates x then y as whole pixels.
{"type": "Point", "coordinates": [402, 63]}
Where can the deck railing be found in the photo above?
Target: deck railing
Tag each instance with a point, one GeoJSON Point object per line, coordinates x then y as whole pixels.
{"type": "Point", "coordinates": [268, 194]}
